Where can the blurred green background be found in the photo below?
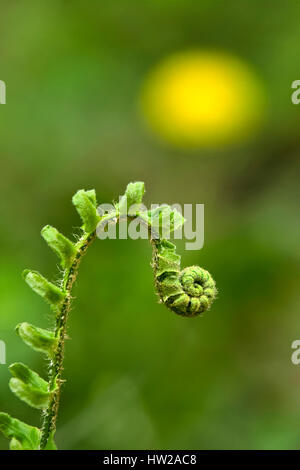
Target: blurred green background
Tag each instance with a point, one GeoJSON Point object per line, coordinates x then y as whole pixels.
{"type": "Point", "coordinates": [137, 375]}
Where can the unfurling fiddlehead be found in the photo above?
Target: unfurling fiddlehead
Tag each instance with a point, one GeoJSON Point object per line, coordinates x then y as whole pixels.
{"type": "Point", "coordinates": [187, 292]}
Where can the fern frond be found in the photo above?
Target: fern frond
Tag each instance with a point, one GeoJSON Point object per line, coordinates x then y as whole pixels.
{"type": "Point", "coordinates": [187, 292]}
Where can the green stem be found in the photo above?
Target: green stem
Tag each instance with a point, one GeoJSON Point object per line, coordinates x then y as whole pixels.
{"type": "Point", "coordinates": [56, 365]}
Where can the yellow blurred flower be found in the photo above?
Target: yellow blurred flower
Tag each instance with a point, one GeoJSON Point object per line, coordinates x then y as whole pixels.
{"type": "Point", "coordinates": [195, 99]}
